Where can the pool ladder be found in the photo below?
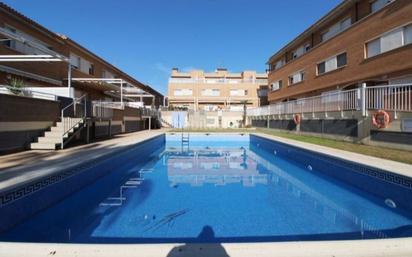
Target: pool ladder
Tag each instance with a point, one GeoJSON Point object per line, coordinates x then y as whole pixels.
{"type": "Point", "coordinates": [185, 140]}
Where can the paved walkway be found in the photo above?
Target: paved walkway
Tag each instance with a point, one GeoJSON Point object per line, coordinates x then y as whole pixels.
{"type": "Point", "coordinates": [25, 166]}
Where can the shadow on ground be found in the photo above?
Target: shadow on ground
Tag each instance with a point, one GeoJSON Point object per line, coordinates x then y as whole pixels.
{"type": "Point", "coordinates": [206, 235]}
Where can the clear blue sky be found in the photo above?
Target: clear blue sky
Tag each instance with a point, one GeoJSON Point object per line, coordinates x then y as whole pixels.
{"type": "Point", "coordinates": [146, 38]}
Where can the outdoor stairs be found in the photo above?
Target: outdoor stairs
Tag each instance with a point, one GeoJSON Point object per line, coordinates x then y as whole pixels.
{"type": "Point", "coordinates": [52, 139]}
{"type": "Point", "coordinates": [165, 123]}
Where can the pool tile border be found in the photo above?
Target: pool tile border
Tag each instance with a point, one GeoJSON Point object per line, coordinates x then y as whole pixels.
{"type": "Point", "coordinates": [11, 195]}
{"type": "Point", "coordinates": [383, 175]}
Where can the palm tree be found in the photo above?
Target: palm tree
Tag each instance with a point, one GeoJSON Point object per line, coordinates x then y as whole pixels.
{"type": "Point", "coordinates": [244, 102]}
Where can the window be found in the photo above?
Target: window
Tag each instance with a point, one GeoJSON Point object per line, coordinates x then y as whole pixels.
{"type": "Point", "coordinates": [296, 77]}
{"type": "Point", "coordinates": [373, 47]}
{"type": "Point", "coordinates": [236, 108]}
{"type": "Point", "coordinates": [210, 108]}
{"type": "Point", "coordinates": [238, 92]}
{"type": "Point", "coordinates": [279, 64]}
{"type": "Point", "coordinates": [91, 69]}
{"type": "Point", "coordinates": [86, 66]}
{"type": "Point", "coordinates": [389, 41]}
{"type": "Point", "coordinates": [379, 4]}
{"type": "Point", "coordinates": [335, 29]}
{"type": "Point", "coordinates": [210, 92]}
{"type": "Point", "coordinates": [276, 85]}
{"type": "Point", "coordinates": [332, 63]}
{"type": "Point", "coordinates": [300, 51]}
{"type": "Point", "coordinates": [75, 61]}
{"type": "Point", "coordinates": [183, 92]}
{"type": "Point", "coordinates": [10, 43]}
{"type": "Point", "coordinates": [342, 60]}
{"type": "Point", "coordinates": [210, 121]}
{"type": "Point", "coordinates": [408, 34]}
{"type": "Point", "coordinates": [22, 47]}
{"type": "Point", "coordinates": [392, 40]}
{"type": "Point", "coordinates": [107, 75]}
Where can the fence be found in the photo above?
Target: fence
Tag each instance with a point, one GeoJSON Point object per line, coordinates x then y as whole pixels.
{"type": "Point", "coordinates": [27, 93]}
{"type": "Point", "coordinates": [390, 97]}
{"type": "Point", "coordinates": [104, 109]}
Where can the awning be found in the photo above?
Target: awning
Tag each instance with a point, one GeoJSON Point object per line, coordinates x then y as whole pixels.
{"type": "Point", "coordinates": [30, 75]}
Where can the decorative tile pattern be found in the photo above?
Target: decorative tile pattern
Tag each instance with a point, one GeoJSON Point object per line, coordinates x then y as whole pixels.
{"type": "Point", "coordinates": [308, 157]}
{"type": "Point", "coordinates": [19, 192]}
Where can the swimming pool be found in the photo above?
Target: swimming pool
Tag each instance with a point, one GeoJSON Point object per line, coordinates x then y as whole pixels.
{"type": "Point", "coordinates": [223, 188]}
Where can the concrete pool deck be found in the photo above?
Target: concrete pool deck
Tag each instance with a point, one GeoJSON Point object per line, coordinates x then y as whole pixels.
{"type": "Point", "coordinates": [22, 167]}
{"type": "Point", "coordinates": [349, 248]}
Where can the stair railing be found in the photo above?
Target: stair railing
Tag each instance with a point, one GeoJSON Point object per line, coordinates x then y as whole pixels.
{"type": "Point", "coordinates": [73, 115]}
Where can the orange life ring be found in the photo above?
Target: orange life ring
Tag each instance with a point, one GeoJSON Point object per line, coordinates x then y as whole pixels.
{"type": "Point", "coordinates": [381, 119]}
{"type": "Point", "coordinates": [297, 118]}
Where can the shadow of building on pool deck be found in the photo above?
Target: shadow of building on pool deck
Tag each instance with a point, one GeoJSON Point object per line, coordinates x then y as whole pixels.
{"type": "Point", "coordinates": [206, 235]}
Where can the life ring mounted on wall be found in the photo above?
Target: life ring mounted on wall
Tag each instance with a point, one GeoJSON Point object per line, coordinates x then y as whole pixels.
{"type": "Point", "coordinates": [381, 119]}
{"type": "Point", "coordinates": [297, 119]}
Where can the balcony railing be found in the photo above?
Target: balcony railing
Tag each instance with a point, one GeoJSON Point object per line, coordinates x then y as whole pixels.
{"type": "Point", "coordinates": [217, 81]}
{"type": "Point", "coordinates": [104, 109]}
{"type": "Point", "coordinates": [390, 97]}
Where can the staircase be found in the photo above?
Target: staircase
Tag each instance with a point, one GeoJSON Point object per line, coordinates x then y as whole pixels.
{"type": "Point", "coordinates": [53, 139]}
{"type": "Point", "coordinates": [72, 121]}
{"type": "Point", "coordinates": [165, 123]}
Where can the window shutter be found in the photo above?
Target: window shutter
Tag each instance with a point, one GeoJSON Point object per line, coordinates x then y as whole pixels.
{"type": "Point", "coordinates": [408, 34]}
{"type": "Point", "coordinates": [345, 23]}
{"type": "Point", "coordinates": [392, 40]}
{"type": "Point", "coordinates": [331, 64]}
{"type": "Point", "coordinates": [297, 77]}
{"type": "Point", "coordinates": [374, 47]}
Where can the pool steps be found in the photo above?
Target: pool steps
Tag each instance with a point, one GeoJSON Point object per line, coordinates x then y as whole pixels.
{"type": "Point", "coordinates": [118, 201]}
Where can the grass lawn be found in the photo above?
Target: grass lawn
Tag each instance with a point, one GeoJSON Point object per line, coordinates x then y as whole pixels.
{"type": "Point", "coordinates": [381, 152]}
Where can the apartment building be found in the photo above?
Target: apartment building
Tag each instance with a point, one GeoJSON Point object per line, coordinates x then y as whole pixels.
{"type": "Point", "coordinates": [67, 93]}
{"type": "Point", "coordinates": [359, 41]}
{"type": "Point", "coordinates": [88, 72]}
{"type": "Point", "coordinates": [219, 90]}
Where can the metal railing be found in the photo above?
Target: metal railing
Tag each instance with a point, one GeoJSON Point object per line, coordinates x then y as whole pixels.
{"type": "Point", "coordinates": [104, 109]}
{"type": "Point", "coordinates": [389, 97]}
{"type": "Point", "coordinates": [8, 90]}
{"type": "Point", "coordinates": [72, 116]}
{"type": "Point", "coordinates": [216, 81]}
{"type": "Point", "coordinates": [392, 97]}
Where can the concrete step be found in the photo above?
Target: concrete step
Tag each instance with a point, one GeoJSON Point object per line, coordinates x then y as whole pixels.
{"type": "Point", "coordinates": [61, 129]}
{"type": "Point", "coordinates": [57, 134]}
{"type": "Point", "coordinates": [55, 140]}
{"type": "Point", "coordinates": [73, 120]}
{"type": "Point", "coordinates": [43, 146]}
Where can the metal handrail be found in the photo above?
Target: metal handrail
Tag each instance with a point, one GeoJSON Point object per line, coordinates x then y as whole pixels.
{"type": "Point", "coordinates": [67, 122]}
{"type": "Point", "coordinates": [395, 97]}
{"type": "Point", "coordinates": [27, 93]}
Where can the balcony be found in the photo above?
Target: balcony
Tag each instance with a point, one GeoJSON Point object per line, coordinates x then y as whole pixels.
{"type": "Point", "coordinates": [217, 81]}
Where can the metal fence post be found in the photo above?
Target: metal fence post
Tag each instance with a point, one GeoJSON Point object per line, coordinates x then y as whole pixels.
{"type": "Point", "coordinates": [363, 100]}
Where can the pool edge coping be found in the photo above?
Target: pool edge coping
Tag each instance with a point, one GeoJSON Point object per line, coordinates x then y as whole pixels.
{"type": "Point", "coordinates": [398, 168]}
{"type": "Point", "coordinates": [75, 164]}
{"type": "Point", "coordinates": [374, 247]}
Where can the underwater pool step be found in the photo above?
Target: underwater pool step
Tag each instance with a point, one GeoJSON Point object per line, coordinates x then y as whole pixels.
{"type": "Point", "coordinates": [145, 170]}
{"type": "Point", "coordinates": [128, 183]}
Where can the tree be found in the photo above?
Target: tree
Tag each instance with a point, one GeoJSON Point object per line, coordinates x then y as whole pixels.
{"type": "Point", "coordinates": [244, 102]}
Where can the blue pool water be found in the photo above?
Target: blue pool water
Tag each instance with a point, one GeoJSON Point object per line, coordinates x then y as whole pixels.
{"type": "Point", "coordinates": [216, 189]}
